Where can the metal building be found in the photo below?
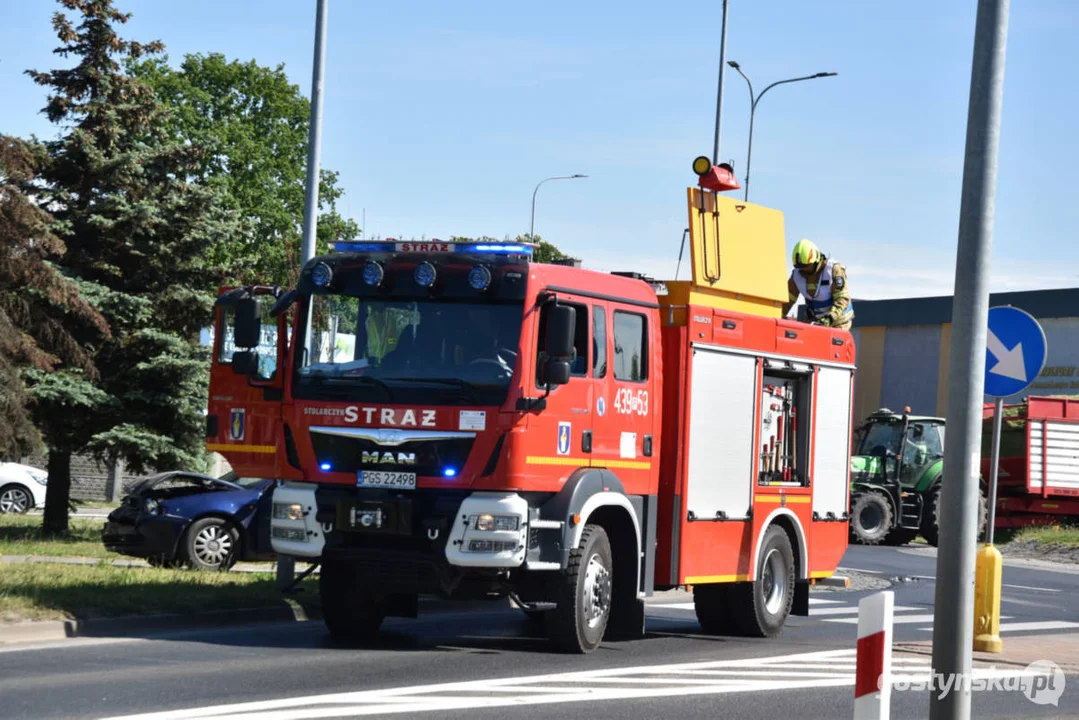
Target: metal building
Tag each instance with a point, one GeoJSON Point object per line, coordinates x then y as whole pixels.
{"type": "Point", "coordinates": [903, 347]}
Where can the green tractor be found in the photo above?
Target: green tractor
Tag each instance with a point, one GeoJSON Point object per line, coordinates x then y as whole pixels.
{"type": "Point", "coordinates": [896, 478]}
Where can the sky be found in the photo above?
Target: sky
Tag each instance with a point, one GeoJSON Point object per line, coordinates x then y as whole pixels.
{"type": "Point", "coordinates": [442, 117]}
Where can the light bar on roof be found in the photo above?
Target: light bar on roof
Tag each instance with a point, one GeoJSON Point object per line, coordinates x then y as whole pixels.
{"type": "Point", "coordinates": [435, 247]}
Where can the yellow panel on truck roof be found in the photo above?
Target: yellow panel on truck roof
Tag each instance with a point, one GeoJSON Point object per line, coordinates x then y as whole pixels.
{"type": "Point", "coordinates": [737, 254]}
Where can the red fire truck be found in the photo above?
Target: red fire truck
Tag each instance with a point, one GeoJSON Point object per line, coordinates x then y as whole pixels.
{"type": "Point", "coordinates": [456, 419]}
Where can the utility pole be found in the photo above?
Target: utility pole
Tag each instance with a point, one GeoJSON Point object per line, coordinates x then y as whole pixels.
{"type": "Point", "coordinates": [954, 601]}
{"type": "Point", "coordinates": [286, 564]}
{"type": "Point", "coordinates": [314, 137]}
{"type": "Point", "coordinates": [719, 92]}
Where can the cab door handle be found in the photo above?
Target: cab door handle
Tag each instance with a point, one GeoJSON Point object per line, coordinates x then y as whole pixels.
{"type": "Point", "coordinates": [586, 441]}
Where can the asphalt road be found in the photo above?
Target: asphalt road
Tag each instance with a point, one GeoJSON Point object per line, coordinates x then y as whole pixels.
{"type": "Point", "coordinates": [476, 665]}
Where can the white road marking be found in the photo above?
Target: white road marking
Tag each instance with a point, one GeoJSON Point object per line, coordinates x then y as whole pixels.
{"type": "Point", "coordinates": [850, 610]}
{"type": "Point", "coordinates": [1027, 587]}
{"type": "Point", "coordinates": [1028, 626]}
{"type": "Point", "coordinates": [787, 672]}
{"type": "Point", "coordinates": [897, 620]}
{"type": "Point", "coordinates": [689, 605]}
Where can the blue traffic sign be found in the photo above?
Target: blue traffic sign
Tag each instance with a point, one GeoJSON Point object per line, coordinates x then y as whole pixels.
{"type": "Point", "coordinates": [1015, 351]}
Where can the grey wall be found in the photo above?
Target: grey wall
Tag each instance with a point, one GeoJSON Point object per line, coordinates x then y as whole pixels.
{"type": "Point", "coordinates": [909, 376]}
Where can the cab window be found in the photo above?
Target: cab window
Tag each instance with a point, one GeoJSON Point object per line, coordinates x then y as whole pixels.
{"type": "Point", "coordinates": [267, 348]}
{"type": "Point", "coordinates": [630, 346]}
{"type": "Point", "coordinates": [579, 366]}
{"type": "Point", "coordinates": [599, 342]}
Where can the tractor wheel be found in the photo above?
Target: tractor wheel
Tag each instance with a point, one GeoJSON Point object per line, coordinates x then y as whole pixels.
{"type": "Point", "coordinates": [870, 518]}
{"type": "Point", "coordinates": [931, 524]}
{"type": "Point", "coordinates": [761, 608]}
{"type": "Point", "coordinates": [900, 536]}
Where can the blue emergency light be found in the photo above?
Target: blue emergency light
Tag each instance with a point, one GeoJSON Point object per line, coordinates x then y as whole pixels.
{"type": "Point", "coordinates": [434, 247]}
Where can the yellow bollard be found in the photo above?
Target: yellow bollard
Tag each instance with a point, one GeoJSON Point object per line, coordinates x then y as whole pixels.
{"type": "Point", "coordinates": [987, 579]}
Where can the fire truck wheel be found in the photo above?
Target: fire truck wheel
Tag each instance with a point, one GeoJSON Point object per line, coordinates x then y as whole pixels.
{"type": "Point", "coordinates": [870, 518]}
{"type": "Point", "coordinates": [348, 608]}
{"type": "Point", "coordinates": [710, 602]}
{"type": "Point", "coordinates": [761, 608]}
{"type": "Point", "coordinates": [931, 523]}
{"type": "Point", "coordinates": [583, 595]}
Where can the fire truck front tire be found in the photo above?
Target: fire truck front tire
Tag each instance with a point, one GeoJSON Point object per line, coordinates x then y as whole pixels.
{"type": "Point", "coordinates": [349, 609]}
{"type": "Point", "coordinates": [761, 608]}
{"type": "Point", "coordinates": [583, 595]}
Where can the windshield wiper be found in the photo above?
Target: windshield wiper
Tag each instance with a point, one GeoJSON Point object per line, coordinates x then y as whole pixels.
{"type": "Point", "coordinates": [472, 388]}
{"type": "Point", "coordinates": [350, 380]}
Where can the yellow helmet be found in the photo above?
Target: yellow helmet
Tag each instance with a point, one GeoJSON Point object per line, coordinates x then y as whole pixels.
{"type": "Point", "coordinates": [805, 254]}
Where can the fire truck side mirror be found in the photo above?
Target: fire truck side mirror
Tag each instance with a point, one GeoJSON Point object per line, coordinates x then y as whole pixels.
{"type": "Point", "coordinates": [245, 362]}
{"type": "Point", "coordinates": [557, 371]}
{"type": "Point", "coordinates": [561, 326]}
{"type": "Point", "coordinates": [248, 329]}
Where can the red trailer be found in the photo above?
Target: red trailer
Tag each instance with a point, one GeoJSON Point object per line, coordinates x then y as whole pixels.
{"type": "Point", "coordinates": [1038, 481]}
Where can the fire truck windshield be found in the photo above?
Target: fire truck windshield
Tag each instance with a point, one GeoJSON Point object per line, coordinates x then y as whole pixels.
{"type": "Point", "coordinates": [409, 351]}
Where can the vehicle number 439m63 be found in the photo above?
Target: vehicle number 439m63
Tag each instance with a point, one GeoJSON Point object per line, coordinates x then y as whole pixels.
{"type": "Point", "coordinates": [630, 402]}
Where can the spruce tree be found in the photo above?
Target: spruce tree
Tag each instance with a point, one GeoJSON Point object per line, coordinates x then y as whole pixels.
{"type": "Point", "coordinates": [138, 236]}
{"type": "Point", "coordinates": [45, 323]}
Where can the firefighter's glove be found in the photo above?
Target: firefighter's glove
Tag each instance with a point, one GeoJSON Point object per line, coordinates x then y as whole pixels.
{"type": "Point", "coordinates": [825, 321]}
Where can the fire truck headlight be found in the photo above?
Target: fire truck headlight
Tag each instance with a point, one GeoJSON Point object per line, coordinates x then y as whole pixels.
{"type": "Point", "coordinates": [424, 274]}
{"type": "Point", "coordinates": [321, 274]}
{"type": "Point", "coordinates": [498, 523]}
{"type": "Point", "coordinates": [479, 278]}
{"type": "Point", "coordinates": [372, 273]}
{"type": "Point", "coordinates": [288, 511]}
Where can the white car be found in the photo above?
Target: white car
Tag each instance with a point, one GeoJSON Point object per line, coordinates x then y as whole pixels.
{"type": "Point", "coordinates": [21, 487]}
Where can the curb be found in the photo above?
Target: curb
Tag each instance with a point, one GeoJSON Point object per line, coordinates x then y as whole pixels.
{"type": "Point", "coordinates": [832, 581]}
{"type": "Point", "coordinates": [137, 626]}
{"type": "Point", "coordinates": [134, 626]}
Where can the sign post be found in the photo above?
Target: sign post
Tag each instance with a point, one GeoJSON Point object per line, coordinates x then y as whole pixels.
{"type": "Point", "coordinates": [1015, 355]}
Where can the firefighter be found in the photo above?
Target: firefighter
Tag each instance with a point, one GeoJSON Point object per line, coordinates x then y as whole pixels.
{"type": "Point", "coordinates": [823, 283]}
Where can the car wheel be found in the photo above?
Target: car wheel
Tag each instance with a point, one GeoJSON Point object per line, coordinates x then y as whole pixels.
{"type": "Point", "coordinates": [211, 544]}
{"type": "Point", "coordinates": [15, 499]}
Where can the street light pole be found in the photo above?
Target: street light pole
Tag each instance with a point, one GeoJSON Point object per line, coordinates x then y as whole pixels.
{"type": "Point", "coordinates": [753, 100]}
{"type": "Point", "coordinates": [532, 225]}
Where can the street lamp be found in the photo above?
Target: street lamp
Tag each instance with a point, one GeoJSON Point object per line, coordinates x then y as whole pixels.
{"type": "Point", "coordinates": [753, 100]}
{"type": "Point", "coordinates": [532, 226]}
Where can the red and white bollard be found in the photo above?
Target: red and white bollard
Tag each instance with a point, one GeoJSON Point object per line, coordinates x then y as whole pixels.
{"type": "Point", "coordinates": [873, 676]}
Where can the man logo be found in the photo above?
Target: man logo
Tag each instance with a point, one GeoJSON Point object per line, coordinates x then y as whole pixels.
{"type": "Point", "coordinates": [236, 424]}
{"type": "Point", "coordinates": [387, 458]}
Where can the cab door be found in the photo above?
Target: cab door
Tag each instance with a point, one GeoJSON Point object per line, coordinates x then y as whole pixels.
{"type": "Point", "coordinates": [560, 435]}
{"type": "Point", "coordinates": [244, 410]}
{"type": "Point", "coordinates": [624, 403]}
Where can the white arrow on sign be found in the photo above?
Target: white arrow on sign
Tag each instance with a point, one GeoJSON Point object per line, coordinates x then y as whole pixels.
{"type": "Point", "coordinates": [1009, 362]}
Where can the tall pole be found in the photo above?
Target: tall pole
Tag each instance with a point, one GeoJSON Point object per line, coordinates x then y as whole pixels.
{"type": "Point", "coordinates": [754, 99]}
{"type": "Point", "coordinates": [994, 472]}
{"type": "Point", "coordinates": [286, 564]}
{"type": "Point", "coordinates": [532, 224]}
{"type": "Point", "coordinates": [719, 91]}
{"type": "Point", "coordinates": [314, 137]}
{"type": "Point", "coordinates": [954, 602]}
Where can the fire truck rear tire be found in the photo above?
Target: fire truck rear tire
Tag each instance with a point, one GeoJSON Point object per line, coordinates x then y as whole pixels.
{"type": "Point", "coordinates": [348, 608]}
{"type": "Point", "coordinates": [583, 594]}
{"type": "Point", "coordinates": [761, 608]}
{"type": "Point", "coordinates": [710, 602]}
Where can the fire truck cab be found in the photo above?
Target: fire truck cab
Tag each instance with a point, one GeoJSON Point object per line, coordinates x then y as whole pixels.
{"type": "Point", "coordinates": [456, 419]}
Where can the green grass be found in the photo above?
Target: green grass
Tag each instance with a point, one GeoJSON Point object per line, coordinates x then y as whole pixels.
{"type": "Point", "coordinates": [1050, 535]}
{"type": "Point", "coordinates": [40, 591]}
{"type": "Point", "coordinates": [21, 535]}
